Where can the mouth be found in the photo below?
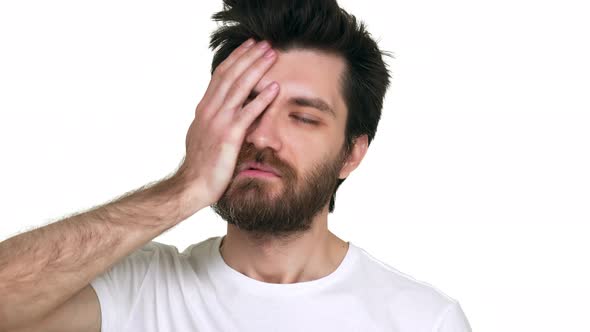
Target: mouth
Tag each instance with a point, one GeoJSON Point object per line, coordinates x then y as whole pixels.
{"type": "Point", "coordinates": [257, 169]}
{"type": "Point", "coordinates": [257, 173]}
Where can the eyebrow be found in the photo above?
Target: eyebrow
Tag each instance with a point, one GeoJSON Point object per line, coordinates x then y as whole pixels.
{"type": "Point", "coordinates": [316, 103]}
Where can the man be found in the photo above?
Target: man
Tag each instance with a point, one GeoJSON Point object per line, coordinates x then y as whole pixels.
{"type": "Point", "coordinates": [294, 100]}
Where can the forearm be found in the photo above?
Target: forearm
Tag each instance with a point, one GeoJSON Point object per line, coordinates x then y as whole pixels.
{"type": "Point", "coordinates": [41, 269]}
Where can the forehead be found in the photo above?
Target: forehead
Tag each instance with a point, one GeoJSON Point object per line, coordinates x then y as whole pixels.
{"type": "Point", "coordinates": [308, 73]}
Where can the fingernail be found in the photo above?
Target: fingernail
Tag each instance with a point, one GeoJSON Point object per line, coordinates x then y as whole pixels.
{"type": "Point", "coordinates": [269, 54]}
{"type": "Point", "coordinates": [274, 86]}
{"type": "Point", "coordinates": [249, 42]}
{"type": "Point", "coordinates": [264, 45]}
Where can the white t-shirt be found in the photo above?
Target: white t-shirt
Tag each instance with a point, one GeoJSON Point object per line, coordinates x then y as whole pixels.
{"type": "Point", "coordinates": [156, 288]}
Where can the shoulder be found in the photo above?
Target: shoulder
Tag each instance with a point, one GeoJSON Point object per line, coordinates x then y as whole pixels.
{"type": "Point", "coordinates": [385, 276]}
{"type": "Point", "coordinates": [135, 267]}
{"type": "Point", "coordinates": [415, 299]}
{"type": "Point", "coordinates": [165, 258]}
{"type": "Point", "coordinates": [154, 249]}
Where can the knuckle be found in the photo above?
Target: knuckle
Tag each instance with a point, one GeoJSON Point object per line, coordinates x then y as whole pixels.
{"type": "Point", "coordinates": [218, 75]}
{"type": "Point", "coordinates": [223, 86]}
{"type": "Point", "coordinates": [240, 84]}
{"type": "Point", "coordinates": [213, 82]}
{"type": "Point", "coordinates": [221, 68]}
{"type": "Point", "coordinates": [202, 113]}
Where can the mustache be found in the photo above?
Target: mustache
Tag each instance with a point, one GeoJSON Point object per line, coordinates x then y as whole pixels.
{"type": "Point", "coordinates": [266, 156]}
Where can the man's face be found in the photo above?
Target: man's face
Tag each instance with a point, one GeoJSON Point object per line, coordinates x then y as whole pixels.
{"type": "Point", "coordinates": [308, 157]}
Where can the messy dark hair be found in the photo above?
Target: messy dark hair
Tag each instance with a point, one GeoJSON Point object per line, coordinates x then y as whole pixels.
{"type": "Point", "coordinates": [320, 25]}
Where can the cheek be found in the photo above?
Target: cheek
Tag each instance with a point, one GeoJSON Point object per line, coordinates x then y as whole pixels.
{"type": "Point", "coordinates": [309, 147]}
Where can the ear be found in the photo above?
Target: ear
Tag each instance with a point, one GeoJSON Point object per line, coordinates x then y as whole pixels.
{"type": "Point", "coordinates": [359, 149]}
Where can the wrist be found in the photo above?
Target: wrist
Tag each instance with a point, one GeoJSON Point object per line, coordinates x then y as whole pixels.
{"type": "Point", "coordinates": [187, 194]}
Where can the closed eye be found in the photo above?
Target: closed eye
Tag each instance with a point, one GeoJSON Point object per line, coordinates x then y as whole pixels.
{"type": "Point", "coordinates": [305, 120]}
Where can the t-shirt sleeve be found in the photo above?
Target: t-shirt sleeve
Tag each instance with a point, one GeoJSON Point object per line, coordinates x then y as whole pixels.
{"type": "Point", "coordinates": [119, 286]}
{"type": "Point", "coordinates": [453, 320]}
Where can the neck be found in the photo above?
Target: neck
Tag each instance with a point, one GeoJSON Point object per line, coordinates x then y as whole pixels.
{"type": "Point", "coordinates": [303, 257]}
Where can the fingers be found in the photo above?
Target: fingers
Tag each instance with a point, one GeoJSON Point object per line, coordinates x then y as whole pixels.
{"type": "Point", "coordinates": [243, 85]}
{"type": "Point", "coordinates": [250, 112]}
{"type": "Point", "coordinates": [235, 55]}
{"type": "Point", "coordinates": [225, 79]}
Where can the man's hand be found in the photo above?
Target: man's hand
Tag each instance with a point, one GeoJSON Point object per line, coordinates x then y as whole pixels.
{"type": "Point", "coordinates": [216, 135]}
{"type": "Point", "coordinates": [41, 271]}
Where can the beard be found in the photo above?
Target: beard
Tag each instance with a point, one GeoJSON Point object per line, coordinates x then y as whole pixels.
{"type": "Point", "coordinates": [278, 207]}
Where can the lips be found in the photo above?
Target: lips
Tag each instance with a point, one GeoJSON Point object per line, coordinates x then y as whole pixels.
{"type": "Point", "coordinates": [258, 166]}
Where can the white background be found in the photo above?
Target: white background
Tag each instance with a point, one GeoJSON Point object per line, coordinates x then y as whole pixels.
{"type": "Point", "coordinates": [477, 181]}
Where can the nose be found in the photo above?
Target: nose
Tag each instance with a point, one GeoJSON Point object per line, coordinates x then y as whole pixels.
{"type": "Point", "coordinates": [264, 132]}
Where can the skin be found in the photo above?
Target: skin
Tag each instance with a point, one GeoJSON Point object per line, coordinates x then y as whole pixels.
{"type": "Point", "coordinates": [299, 147]}
{"type": "Point", "coordinates": [49, 282]}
